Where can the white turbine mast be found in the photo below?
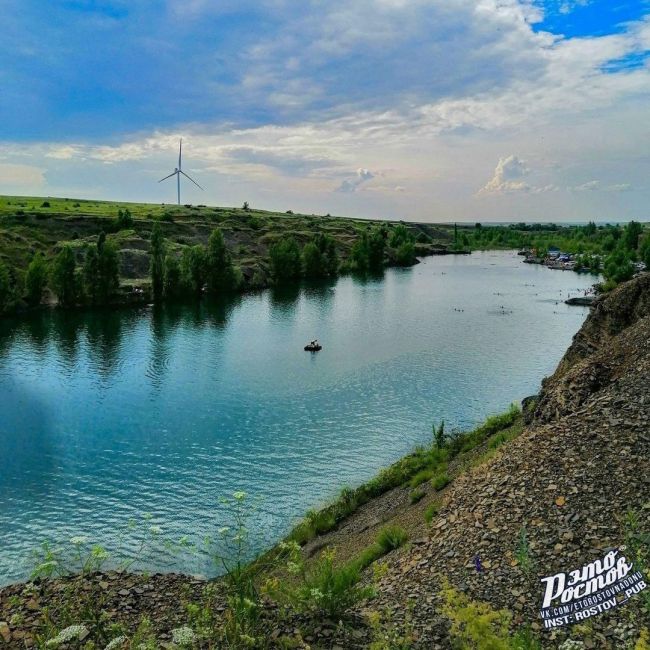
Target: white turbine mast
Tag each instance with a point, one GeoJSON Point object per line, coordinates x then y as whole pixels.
{"type": "Point", "coordinates": [178, 171]}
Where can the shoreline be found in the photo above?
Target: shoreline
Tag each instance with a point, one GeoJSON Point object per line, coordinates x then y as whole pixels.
{"type": "Point", "coordinates": [479, 506]}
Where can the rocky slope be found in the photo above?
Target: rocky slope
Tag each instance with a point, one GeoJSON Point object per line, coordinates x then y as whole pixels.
{"type": "Point", "coordinates": [581, 465]}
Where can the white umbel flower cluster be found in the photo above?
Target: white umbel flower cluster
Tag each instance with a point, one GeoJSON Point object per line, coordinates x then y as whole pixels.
{"type": "Point", "coordinates": [68, 634]}
{"type": "Point", "coordinates": [183, 636]}
{"type": "Point", "coordinates": [117, 642]}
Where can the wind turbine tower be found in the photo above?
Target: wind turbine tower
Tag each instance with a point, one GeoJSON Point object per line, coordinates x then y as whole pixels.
{"type": "Point", "coordinates": [178, 171]}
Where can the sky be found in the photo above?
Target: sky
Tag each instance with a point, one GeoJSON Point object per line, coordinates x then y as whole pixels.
{"type": "Point", "coordinates": [430, 110]}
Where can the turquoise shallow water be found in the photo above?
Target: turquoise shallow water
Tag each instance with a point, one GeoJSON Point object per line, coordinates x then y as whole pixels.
{"type": "Point", "coordinates": [108, 416]}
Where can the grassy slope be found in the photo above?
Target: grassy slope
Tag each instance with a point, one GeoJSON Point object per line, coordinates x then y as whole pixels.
{"type": "Point", "coordinates": [26, 227]}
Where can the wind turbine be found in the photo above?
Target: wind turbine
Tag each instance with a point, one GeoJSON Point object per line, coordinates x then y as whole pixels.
{"type": "Point", "coordinates": [178, 171]}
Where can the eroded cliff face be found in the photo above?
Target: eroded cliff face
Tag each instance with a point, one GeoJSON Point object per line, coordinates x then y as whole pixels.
{"type": "Point", "coordinates": [611, 342]}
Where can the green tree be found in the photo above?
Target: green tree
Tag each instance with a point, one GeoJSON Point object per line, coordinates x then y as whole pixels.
{"type": "Point", "coordinates": [63, 276]}
{"type": "Point", "coordinates": [157, 266]}
{"type": "Point", "coordinates": [220, 272]}
{"type": "Point", "coordinates": [91, 275]}
{"type": "Point", "coordinates": [405, 254]}
{"type": "Point", "coordinates": [376, 248]}
{"type": "Point", "coordinates": [644, 251]}
{"type": "Point", "coordinates": [124, 220]}
{"type": "Point", "coordinates": [193, 269]}
{"type": "Point", "coordinates": [172, 277]}
{"type": "Point", "coordinates": [360, 253]}
{"type": "Point", "coordinates": [631, 235]}
{"type": "Point", "coordinates": [330, 258]}
{"type": "Point", "coordinates": [101, 271]}
{"type": "Point", "coordinates": [618, 266]}
{"type": "Point", "coordinates": [36, 279]}
{"type": "Point", "coordinates": [312, 261]}
{"type": "Point", "coordinates": [109, 268]}
{"type": "Point", "coordinates": [286, 263]}
{"type": "Point", "coordinates": [5, 287]}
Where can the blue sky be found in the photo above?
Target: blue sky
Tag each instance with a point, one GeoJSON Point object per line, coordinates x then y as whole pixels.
{"type": "Point", "coordinates": [463, 109]}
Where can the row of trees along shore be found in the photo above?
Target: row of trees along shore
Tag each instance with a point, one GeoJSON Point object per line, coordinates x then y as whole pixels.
{"type": "Point", "coordinates": [94, 280]}
{"type": "Point", "coordinates": [90, 276]}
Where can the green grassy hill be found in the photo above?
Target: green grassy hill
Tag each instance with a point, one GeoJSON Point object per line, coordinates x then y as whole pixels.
{"type": "Point", "coordinates": [32, 224]}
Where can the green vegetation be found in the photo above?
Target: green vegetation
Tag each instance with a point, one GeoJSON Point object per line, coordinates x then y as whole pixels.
{"type": "Point", "coordinates": [432, 510]}
{"type": "Point", "coordinates": [286, 263]}
{"type": "Point", "coordinates": [424, 464]}
{"type": "Point", "coordinates": [610, 249]}
{"type": "Point", "coordinates": [35, 280]}
{"type": "Point", "coordinates": [417, 495]}
{"type": "Point", "coordinates": [101, 271]}
{"type": "Point", "coordinates": [476, 625]}
{"type": "Point", "coordinates": [523, 552]}
{"type": "Point", "coordinates": [389, 539]}
{"type": "Point", "coordinates": [64, 278]}
{"type": "Point", "coordinates": [157, 266]}
{"type": "Point", "coordinates": [263, 247]}
{"type": "Point", "coordinates": [320, 258]}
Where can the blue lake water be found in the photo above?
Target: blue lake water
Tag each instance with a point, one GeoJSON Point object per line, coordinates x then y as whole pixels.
{"type": "Point", "coordinates": [107, 416]}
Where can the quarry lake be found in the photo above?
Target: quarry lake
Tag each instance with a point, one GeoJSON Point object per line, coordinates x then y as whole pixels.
{"type": "Point", "coordinates": [107, 416]}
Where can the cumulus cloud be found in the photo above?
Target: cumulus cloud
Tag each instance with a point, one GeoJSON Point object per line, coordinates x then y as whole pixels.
{"type": "Point", "coordinates": [353, 184]}
{"type": "Point", "coordinates": [508, 177]}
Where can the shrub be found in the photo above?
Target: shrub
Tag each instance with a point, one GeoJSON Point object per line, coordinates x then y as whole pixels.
{"type": "Point", "coordinates": [124, 220]}
{"type": "Point", "coordinates": [432, 510]}
{"type": "Point", "coordinates": [476, 625]}
{"type": "Point", "coordinates": [329, 589]}
{"type": "Point", "coordinates": [45, 204]}
{"type": "Point", "coordinates": [416, 496]}
{"type": "Point", "coordinates": [391, 537]}
{"type": "Point", "coordinates": [522, 552]}
{"type": "Point", "coordinates": [421, 477]}
{"type": "Point", "coordinates": [439, 435]}
{"type": "Point", "coordinates": [440, 481]}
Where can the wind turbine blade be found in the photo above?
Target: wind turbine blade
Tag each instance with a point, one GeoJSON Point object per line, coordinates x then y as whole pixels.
{"type": "Point", "coordinates": [180, 150]}
{"type": "Point", "coordinates": [166, 177]}
{"type": "Point", "coordinates": [193, 181]}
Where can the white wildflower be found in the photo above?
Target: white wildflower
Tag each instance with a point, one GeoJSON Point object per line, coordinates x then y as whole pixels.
{"type": "Point", "coordinates": [223, 530]}
{"type": "Point", "coordinates": [183, 636]}
{"type": "Point", "coordinates": [78, 540]}
{"type": "Point", "coordinates": [68, 634]}
{"type": "Point", "coordinates": [155, 530]}
{"type": "Point", "coordinates": [316, 594]}
{"type": "Point", "coordinates": [293, 568]}
{"type": "Point", "coordinates": [116, 643]}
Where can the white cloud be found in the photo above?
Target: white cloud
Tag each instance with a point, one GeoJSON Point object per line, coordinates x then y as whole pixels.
{"type": "Point", "coordinates": [595, 185]}
{"type": "Point", "coordinates": [589, 186]}
{"type": "Point", "coordinates": [508, 177]}
{"type": "Point", "coordinates": [353, 184]}
{"type": "Point", "coordinates": [619, 187]}
{"type": "Point", "coordinates": [21, 176]}
{"type": "Point", "coordinates": [64, 152]}
{"type": "Point", "coordinates": [434, 93]}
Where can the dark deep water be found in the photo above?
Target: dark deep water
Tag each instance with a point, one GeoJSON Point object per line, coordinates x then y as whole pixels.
{"type": "Point", "coordinates": [108, 416]}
